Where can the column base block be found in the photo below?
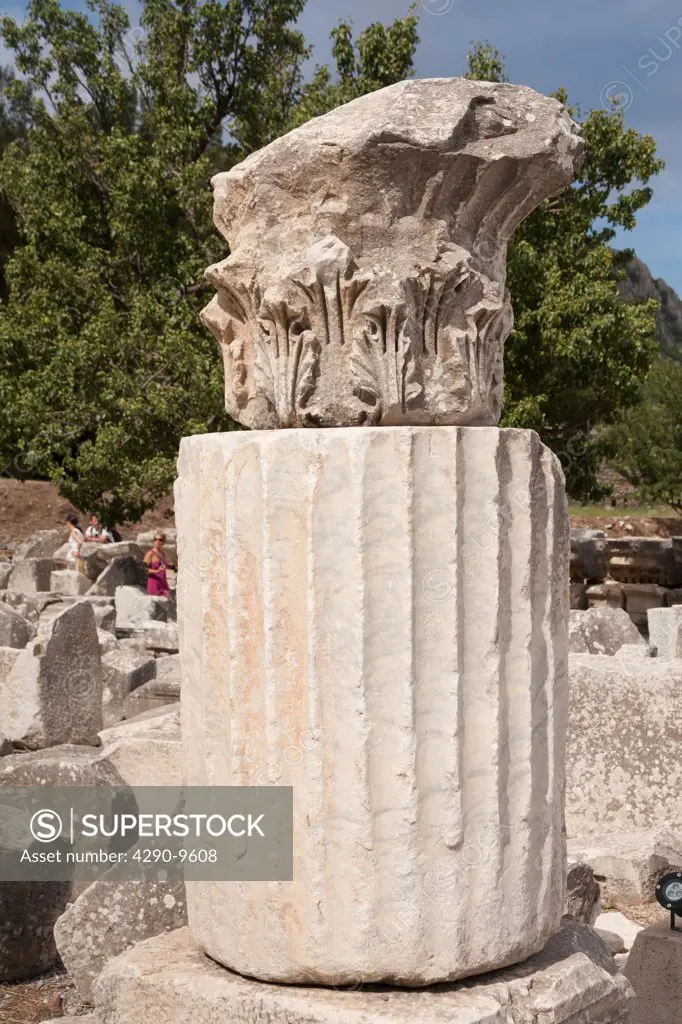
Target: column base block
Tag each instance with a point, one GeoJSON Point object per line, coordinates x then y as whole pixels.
{"type": "Point", "coordinates": [166, 978]}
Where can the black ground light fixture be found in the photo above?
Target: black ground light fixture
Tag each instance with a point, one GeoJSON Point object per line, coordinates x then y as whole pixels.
{"type": "Point", "coordinates": [669, 895]}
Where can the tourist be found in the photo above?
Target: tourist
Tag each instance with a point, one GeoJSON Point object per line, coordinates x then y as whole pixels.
{"type": "Point", "coordinates": [74, 559]}
{"type": "Point", "coordinates": [157, 564]}
{"type": "Point", "coordinates": [96, 533]}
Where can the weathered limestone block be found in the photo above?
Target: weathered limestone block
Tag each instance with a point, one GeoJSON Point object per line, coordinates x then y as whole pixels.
{"type": "Point", "coordinates": [14, 631]}
{"type": "Point", "coordinates": [605, 595]}
{"type": "Point", "coordinates": [623, 757]}
{"type": "Point", "coordinates": [29, 910]}
{"type": "Point", "coordinates": [110, 917]}
{"type": "Point", "coordinates": [146, 750]}
{"type": "Point", "coordinates": [640, 560]}
{"type": "Point", "coordinates": [583, 896]}
{"type": "Point", "coordinates": [163, 689]}
{"type": "Point", "coordinates": [30, 575]}
{"type": "Point", "coordinates": [135, 608]}
{"type": "Point", "coordinates": [124, 571]}
{"type": "Point", "coordinates": [665, 632]}
{"type": "Point", "coordinates": [573, 981]}
{"type": "Point", "coordinates": [588, 554]}
{"type": "Point", "coordinates": [53, 692]}
{"type": "Point", "coordinates": [149, 696]}
{"type": "Point", "coordinates": [366, 281]}
{"type": "Point", "coordinates": [5, 573]}
{"type": "Point", "coordinates": [105, 617]}
{"type": "Point", "coordinates": [381, 622]}
{"type": "Point", "coordinates": [628, 863]}
{"type": "Point", "coordinates": [161, 636]}
{"type": "Point", "coordinates": [42, 544]}
{"type": "Point", "coordinates": [8, 657]}
{"type": "Point", "coordinates": [601, 630]}
{"type": "Point", "coordinates": [640, 598]}
{"type": "Point", "coordinates": [122, 672]}
{"type": "Point", "coordinates": [107, 641]}
{"type": "Point", "coordinates": [68, 582]}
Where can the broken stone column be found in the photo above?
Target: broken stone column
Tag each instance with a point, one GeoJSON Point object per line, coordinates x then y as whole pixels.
{"type": "Point", "coordinates": [382, 624]}
{"type": "Point", "coordinates": [378, 614]}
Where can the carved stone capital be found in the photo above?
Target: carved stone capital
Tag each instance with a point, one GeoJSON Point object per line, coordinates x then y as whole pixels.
{"type": "Point", "coordinates": [366, 281]}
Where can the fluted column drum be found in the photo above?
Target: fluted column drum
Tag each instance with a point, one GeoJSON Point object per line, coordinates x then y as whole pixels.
{"type": "Point", "coordinates": [378, 617]}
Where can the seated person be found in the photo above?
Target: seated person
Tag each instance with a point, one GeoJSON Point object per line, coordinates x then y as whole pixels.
{"type": "Point", "coordinates": [96, 533]}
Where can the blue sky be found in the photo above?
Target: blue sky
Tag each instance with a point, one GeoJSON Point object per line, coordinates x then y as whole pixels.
{"type": "Point", "coordinates": [591, 47]}
{"type": "Point", "coordinates": [584, 45]}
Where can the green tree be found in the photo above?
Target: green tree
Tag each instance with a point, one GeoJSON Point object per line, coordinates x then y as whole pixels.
{"type": "Point", "coordinates": [13, 126]}
{"type": "Point", "coordinates": [104, 364]}
{"type": "Point", "coordinates": [578, 352]}
{"type": "Point", "coordinates": [648, 440]}
{"type": "Point", "coordinates": [381, 56]}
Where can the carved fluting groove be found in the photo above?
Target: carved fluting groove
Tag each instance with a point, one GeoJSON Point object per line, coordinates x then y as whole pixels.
{"type": "Point", "coordinates": [366, 281]}
{"type": "Point", "coordinates": [378, 618]}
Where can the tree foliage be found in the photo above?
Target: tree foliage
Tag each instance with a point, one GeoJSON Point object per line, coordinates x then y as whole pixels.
{"type": "Point", "coordinates": [648, 440]}
{"type": "Point", "coordinates": [104, 364]}
{"type": "Point", "coordinates": [578, 352]}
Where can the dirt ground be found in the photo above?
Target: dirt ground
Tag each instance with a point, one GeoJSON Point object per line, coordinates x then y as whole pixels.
{"type": "Point", "coordinates": [45, 998]}
{"type": "Point", "coordinates": [30, 505]}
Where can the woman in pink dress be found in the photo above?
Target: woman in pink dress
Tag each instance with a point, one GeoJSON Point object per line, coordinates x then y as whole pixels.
{"type": "Point", "coordinates": [156, 562]}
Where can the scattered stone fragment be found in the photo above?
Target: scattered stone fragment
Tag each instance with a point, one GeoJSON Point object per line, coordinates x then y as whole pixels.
{"type": "Point", "coordinates": [583, 896]}
{"type": "Point", "coordinates": [31, 575]}
{"type": "Point", "coordinates": [53, 692]}
{"type": "Point", "coordinates": [65, 765]}
{"type": "Point", "coordinates": [624, 770]}
{"type": "Point", "coordinates": [617, 924]}
{"type": "Point", "coordinates": [640, 598]}
{"type": "Point", "coordinates": [105, 617]}
{"type": "Point", "coordinates": [123, 671]}
{"type": "Point", "coordinates": [628, 864]}
{"type": "Point", "coordinates": [665, 632]}
{"type": "Point", "coordinates": [8, 656]}
{"type": "Point", "coordinates": [633, 651]}
{"type": "Point", "coordinates": [135, 608]}
{"type": "Point", "coordinates": [14, 630]}
{"type": "Point", "coordinates": [110, 917]}
{"type": "Point", "coordinates": [162, 637]}
{"type": "Point", "coordinates": [146, 750]}
{"type": "Point", "coordinates": [151, 695]}
{"type": "Point", "coordinates": [42, 544]}
{"type": "Point", "coordinates": [69, 582]}
{"type": "Point", "coordinates": [29, 910]}
{"type": "Point", "coordinates": [107, 641]}
{"type": "Point", "coordinates": [601, 630]}
{"type": "Point", "coordinates": [124, 571]}
{"type": "Point", "coordinates": [578, 596]}
{"type": "Point", "coordinates": [609, 595]}
{"type": "Point", "coordinates": [588, 554]}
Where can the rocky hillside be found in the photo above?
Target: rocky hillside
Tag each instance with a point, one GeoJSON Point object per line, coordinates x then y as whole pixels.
{"type": "Point", "coordinates": [638, 286]}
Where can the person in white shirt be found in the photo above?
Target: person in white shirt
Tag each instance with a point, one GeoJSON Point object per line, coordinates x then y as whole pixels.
{"type": "Point", "coordinates": [74, 559]}
{"type": "Point", "coordinates": [96, 533]}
